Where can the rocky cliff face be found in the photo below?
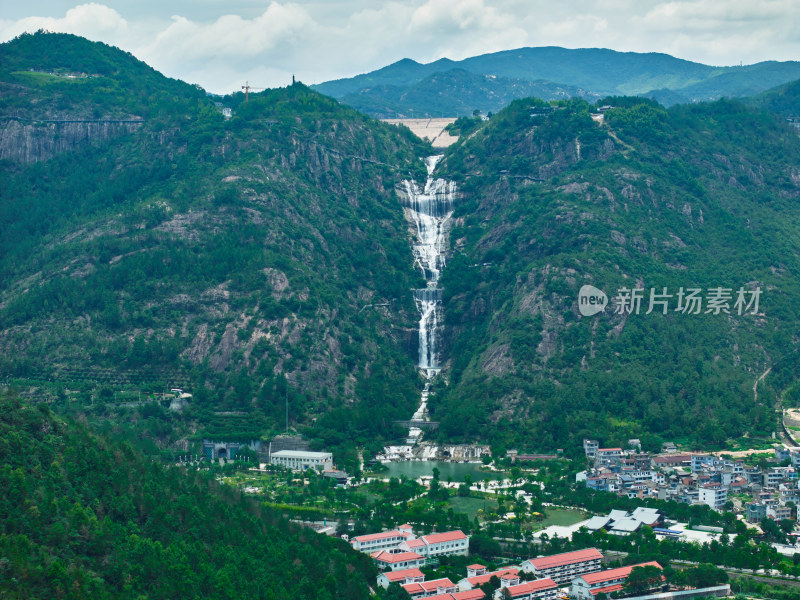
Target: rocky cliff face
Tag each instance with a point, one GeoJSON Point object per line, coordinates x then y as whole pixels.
{"type": "Point", "coordinates": [28, 141]}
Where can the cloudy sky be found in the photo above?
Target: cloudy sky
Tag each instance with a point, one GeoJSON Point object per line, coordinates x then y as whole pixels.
{"type": "Point", "coordinates": [221, 44]}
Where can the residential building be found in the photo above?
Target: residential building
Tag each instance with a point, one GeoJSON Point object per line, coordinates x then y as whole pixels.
{"type": "Point", "coordinates": [300, 460]}
{"type": "Point", "coordinates": [590, 447]}
{"type": "Point", "coordinates": [779, 513]}
{"type": "Point", "coordinates": [586, 587]}
{"type": "Point", "coordinates": [714, 495]}
{"type": "Point", "coordinates": [564, 567]}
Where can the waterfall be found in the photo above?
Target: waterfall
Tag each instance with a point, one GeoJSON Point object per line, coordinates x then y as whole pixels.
{"type": "Point", "coordinates": [429, 211]}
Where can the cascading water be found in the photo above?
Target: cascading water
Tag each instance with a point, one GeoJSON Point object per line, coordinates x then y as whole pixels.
{"type": "Point", "coordinates": [429, 210]}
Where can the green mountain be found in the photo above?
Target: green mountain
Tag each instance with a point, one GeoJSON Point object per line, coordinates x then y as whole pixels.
{"type": "Point", "coordinates": [254, 260]}
{"type": "Point", "coordinates": [578, 72]}
{"type": "Point", "coordinates": [82, 517]}
{"type": "Point", "coordinates": [702, 196]}
{"type": "Point", "coordinates": [783, 100]}
{"type": "Point", "coordinates": [456, 91]}
{"type": "Point", "coordinates": [263, 260]}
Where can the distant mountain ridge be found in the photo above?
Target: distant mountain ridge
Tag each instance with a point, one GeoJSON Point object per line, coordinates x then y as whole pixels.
{"type": "Point", "coordinates": [582, 72]}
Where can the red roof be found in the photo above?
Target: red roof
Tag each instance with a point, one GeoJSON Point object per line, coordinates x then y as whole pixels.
{"type": "Point", "coordinates": [607, 590]}
{"type": "Point", "coordinates": [427, 586]}
{"type": "Point", "coordinates": [567, 558]}
{"type": "Point", "coordinates": [468, 595]}
{"type": "Point", "coordinates": [379, 536]}
{"type": "Point", "coordinates": [481, 579]}
{"type": "Point", "coordinates": [529, 587]}
{"type": "Point", "coordinates": [402, 574]}
{"type": "Point", "coordinates": [609, 449]}
{"type": "Point", "coordinates": [414, 543]}
{"type": "Point", "coordinates": [387, 557]}
{"type": "Point", "coordinates": [612, 574]}
{"type": "Point", "coordinates": [447, 536]}
{"type": "Point", "coordinates": [475, 567]}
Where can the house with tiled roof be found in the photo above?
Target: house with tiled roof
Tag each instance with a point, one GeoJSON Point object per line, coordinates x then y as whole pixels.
{"type": "Point", "coordinates": [468, 595]}
{"type": "Point", "coordinates": [563, 568]}
{"type": "Point", "coordinates": [425, 589]}
{"type": "Point", "coordinates": [538, 589]}
{"type": "Point", "coordinates": [401, 577]}
{"type": "Point", "coordinates": [475, 581]}
{"type": "Point", "coordinates": [586, 587]}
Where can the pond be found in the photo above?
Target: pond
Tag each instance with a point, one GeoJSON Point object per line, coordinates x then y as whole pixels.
{"type": "Point", "coordinates": [456, 471]}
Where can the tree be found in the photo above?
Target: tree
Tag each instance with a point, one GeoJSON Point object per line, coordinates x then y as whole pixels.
{"type": "Point", "coordinates": [643, 578]}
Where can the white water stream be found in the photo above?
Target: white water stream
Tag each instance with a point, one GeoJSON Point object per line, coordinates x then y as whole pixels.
{"type": "Point", "coordinates": [430, 211]}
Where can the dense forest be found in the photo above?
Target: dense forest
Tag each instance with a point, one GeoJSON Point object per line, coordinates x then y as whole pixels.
{"type": "Point", "coordinates": [239, 258]}
{"type": "Point", "coordinates": [699, 196]}
{"type": "Point", "coordinates": [82, 517]}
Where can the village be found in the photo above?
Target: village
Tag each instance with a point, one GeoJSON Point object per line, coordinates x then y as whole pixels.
{"type": "Point", "coordinates": [768, 489]}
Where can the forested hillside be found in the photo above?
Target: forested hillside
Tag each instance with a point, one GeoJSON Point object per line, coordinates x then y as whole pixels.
{"type": "Point", "coordinates": [241, 258]}
{"type": "Point", "coordinates": [81, 517]}
{"type": "Point", "coordinates": [702, 196]}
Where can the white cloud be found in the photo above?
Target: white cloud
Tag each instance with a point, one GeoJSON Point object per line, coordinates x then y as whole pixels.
{"type": "Point", "coordinates": [93, 21]}
{"type": "Point", "coordinates": [319, 40]}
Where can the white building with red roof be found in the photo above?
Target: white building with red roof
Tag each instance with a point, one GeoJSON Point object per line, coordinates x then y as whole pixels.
{"type": "Point", "coordinates": [538, 589]}
{"type": "Point", "coordinates": [385, 540]}
{"type": "Point", "coordinates": [475, 570]}
{"type": "Point", "coordinates": [563, 568]}
{"type": "Point", "coordinates": [448, 543]}
{"type": "Point", "coordinates": [475, 581]}
{"type": "Point", "coordinates": [586, 587]}
{"type": "Point", "coordinates": [398, 561]}
{"type": "Point", "coordinates": [425, 589]}
{"type": "Point", "coordinates": [401, 577]}
{"type": "Point", "coordinates": [468, 595]}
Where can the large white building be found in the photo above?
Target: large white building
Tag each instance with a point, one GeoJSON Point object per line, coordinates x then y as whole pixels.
{"type": "Point", "coordinates": [301, 460]}
{"type": "Point", "coordinates": [714, 495]}
{"type": "Point", "coordinates": [385, 540]}
{"type": "Point", "coordinates": [449, 543]}
{"type": "Point", "coordinates": [563, 568]}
